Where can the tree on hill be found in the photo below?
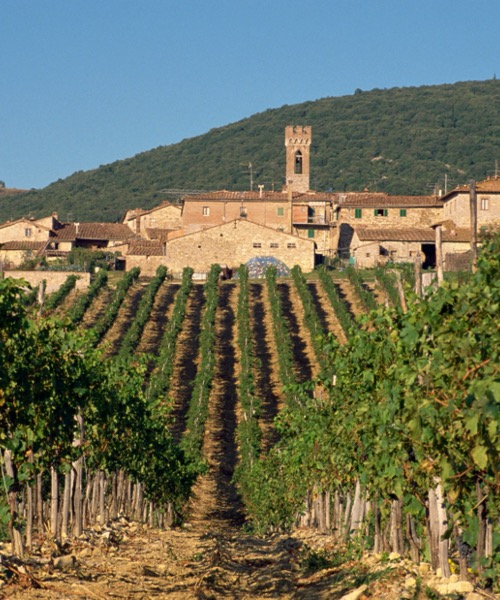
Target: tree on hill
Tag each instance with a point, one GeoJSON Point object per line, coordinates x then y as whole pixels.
{"type": "Point", "coordinates": [401, 140]}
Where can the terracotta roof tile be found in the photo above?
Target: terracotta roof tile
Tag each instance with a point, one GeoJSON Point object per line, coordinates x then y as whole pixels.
{"type": "Point", "coordinates": [22, 245]}
{"type": "Point", "coordinates": [156, 233]}
{"type": "Point", "coordinates": [146, 248]}
{"type": "Point", "coordinates": [252, 196]}
{"type": "Point", "coordinates": [488, 185]}
{"type": "Point", "coordinates": [94, 231]}
{"type": "Point", "coordinates": [367, 234]}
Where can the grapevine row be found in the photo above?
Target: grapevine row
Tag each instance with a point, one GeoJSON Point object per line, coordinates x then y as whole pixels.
{"type": "Point", "coordinates": [133, 335]}
{"type": "Point", "coordinates": [56, 299]}
{"type": "Point", "coordinates": [91, 420]}
{"type": "Point", "coordinates": [192, 440]}
{"type": "Point", "coordinates": [367, 299]}
{"type": "Point", "coordinates": [160, 379]}
{"type": "Point", "coordinates": [343, 315]}
{"type": "Point", "coordinates": [77, 311]}
{"type": "Point", "coordinates": [103, 325]}
{"type": "Point", "coordinates": [248, 432]}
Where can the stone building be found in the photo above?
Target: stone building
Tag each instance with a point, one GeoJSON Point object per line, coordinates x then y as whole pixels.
{"type": "Point", "coordinates": [371, 247]}
{"type": "Point", "coordinates": [457, 204]}
{"type": "Point", "coordinates": [155, 223]}
{"type": "Point", "coordinates": [231, 244]}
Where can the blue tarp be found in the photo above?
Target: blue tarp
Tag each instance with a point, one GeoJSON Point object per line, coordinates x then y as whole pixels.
{"type": "Point", "coordinates": [257, 267]}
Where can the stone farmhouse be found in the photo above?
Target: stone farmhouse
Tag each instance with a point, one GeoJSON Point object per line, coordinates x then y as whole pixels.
{"type": "Point", "coordinates": [295, 225]}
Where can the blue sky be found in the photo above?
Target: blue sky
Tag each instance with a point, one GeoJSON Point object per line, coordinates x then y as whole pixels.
{"type": "Point", "coordinates": [87, 82]}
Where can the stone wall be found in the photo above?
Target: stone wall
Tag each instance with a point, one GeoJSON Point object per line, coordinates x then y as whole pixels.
{"type": "Point", "coordinates": [235, 243]}
{"type": "Point", "coordinates": [25, 230]}
{"type": "Point", "coordinates": [415, 217]}
{"type": "Point", "coordinates": [54, 279]}
{"type": "Point", "coordinates": [457, 209]}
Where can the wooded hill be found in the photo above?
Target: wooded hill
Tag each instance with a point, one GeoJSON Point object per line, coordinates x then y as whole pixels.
{"type": "Point", "coordinates": [400, 140]}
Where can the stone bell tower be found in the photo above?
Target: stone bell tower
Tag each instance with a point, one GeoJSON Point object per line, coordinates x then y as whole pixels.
{"type": "Point", "coordinates": [298, 144]}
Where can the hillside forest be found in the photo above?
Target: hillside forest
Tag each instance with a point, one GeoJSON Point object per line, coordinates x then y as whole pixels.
{"type": "Point", "coordinates": [401, 141]}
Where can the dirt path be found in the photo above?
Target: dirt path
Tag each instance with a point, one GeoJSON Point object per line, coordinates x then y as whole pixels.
{"type": "Point", "coordinates": [205, 564]}
{"type": "Point", "coordinates": [97, 308]}
{"type": "Point", "coordinates": [160, 314]}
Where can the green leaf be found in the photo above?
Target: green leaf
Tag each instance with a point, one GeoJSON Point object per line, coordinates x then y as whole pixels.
{"type": "Point", "coordinates": [480, 456]}
{"type": "Point", "coordinates": [471, 423]}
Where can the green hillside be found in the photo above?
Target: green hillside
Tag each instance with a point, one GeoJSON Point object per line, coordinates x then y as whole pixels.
{"type": "Point", "coordinates": [401, 140]}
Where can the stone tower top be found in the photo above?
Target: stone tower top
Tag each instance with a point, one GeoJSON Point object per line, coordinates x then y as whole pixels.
{"type": "Point", "coordinates": [298, 143]}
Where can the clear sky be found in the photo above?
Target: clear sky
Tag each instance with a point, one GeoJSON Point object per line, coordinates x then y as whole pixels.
{"type": "Point", "coordinates": [87, 82]}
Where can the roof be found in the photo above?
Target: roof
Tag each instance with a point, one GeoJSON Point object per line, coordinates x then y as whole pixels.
{"type": "Point", "coordinates": [156, 233]}
{"type": "Point", "coordinates": [252, 196]}
{"type": "Point", "coordinates": [94, 231]}
{"type": "Point", "coordinates": [482, 187]}
{"type": "Point", "coordinates": [347, 199]}
{"type": "Point", "coordinates": [382, 200]}
{"type": "Point", "coordinates": [372, 234]}
{"type": "Point", "coordinates": [146, 248]}
{"type": "Point", "coordinates": [22, 245]}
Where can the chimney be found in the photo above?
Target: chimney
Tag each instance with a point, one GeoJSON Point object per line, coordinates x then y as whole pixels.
{"type": "Point", "coordinates": [77, 228]}
{"type": "Point", "coordinates": [137, 222]}
{"type": "Point", "coordinates": [261, 187]}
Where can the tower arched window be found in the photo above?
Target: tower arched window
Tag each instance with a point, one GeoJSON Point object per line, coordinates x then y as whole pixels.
{"type": "Point", "coordinates": [298, 162]}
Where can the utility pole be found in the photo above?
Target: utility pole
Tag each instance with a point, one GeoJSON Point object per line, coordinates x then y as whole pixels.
{"type": "Point", "coordinates": [439, 253]}
{"type": "Point", "coordinates": [473, 224]}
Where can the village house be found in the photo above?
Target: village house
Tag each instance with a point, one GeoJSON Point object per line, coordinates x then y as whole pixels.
{"type": "Point", "coordinates": [156, 223]}
{"type": "Point", "coordinates": [371, 247]}
{"type": "Point", "coordinates": [232, 243]}
{"type": "Point", "coordinates": [457, 204]}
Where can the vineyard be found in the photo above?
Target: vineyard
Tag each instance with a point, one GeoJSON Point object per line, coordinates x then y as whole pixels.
{"type": "Point", "coordinates": [319, 402]}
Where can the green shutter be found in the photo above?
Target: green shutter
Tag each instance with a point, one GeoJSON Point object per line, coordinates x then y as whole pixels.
{"type": "Point", "coordinates": [280, 211]}
{"type": "Point", "coordinates": [402, 212]}
{"type": "Point", "coordinates": [358, 213]}
{"type": "Point", "coordinates": [386, 212]}
{"type": "Point", "coordinates": [310, 233]}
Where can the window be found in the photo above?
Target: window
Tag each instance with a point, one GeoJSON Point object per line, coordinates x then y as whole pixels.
{"type": "Point", "coordinates": [257, 245]}
{"type": "Point", "coordinates": [368, 255]}
{"type": "Point", "coordinates": [243, 212]}
{"type": "Point", "coordinates": [380, 212]}
{"type": "Point", "coordinates": [402, 212]}
{"type": "Point", "coordinates": [206, 211]}
{"type": "Point", "coordinates": [298, 163]}
{"type": "Point", "coordinates": [485, 203]}
{"type": "Point", "coordinates": [280, 211]}
{"type": "Point", "coordinates": [27, 232]}
{"type": "Point", "coordinates": [291, 245]}
{"type": "Point", "coordinates": [274, 245]}
{"type": "Point", "coordinates": [358, 213]}
{"type": "Point", "coordinates": [310, 233]}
